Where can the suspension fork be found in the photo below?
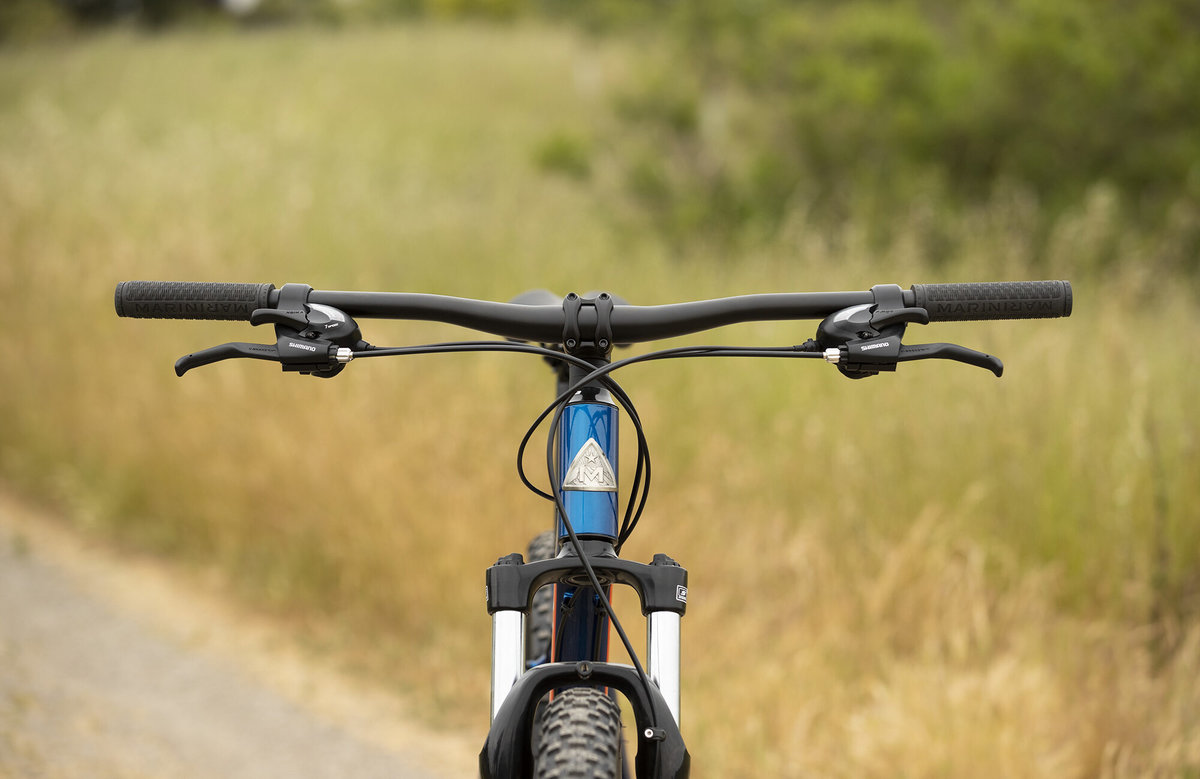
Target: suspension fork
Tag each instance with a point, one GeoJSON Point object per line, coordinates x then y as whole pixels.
{"type": "Point", "coordinates": [661, 587]}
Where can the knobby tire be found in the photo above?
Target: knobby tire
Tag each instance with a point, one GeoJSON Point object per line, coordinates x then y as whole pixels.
{"type": "Point", "coordinates": [580, 737]}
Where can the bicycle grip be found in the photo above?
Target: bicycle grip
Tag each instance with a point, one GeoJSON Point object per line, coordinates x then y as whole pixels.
{"type": "Point", "coordinates": [191, 299]}
{"type": "Point", "coordinates": [994, 300]}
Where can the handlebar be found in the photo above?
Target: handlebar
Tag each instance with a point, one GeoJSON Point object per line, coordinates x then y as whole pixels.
{"type": "Point", "coordinates": [860, 332]}
{"type": "Point", "coordinates": [628, 323]}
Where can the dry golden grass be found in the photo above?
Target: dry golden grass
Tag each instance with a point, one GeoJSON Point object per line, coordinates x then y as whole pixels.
{"type": "Point", "coordinates": [929, 574]}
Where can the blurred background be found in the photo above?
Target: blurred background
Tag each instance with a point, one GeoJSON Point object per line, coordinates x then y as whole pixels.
{"type": "Point", "coordinates": [930, 574]}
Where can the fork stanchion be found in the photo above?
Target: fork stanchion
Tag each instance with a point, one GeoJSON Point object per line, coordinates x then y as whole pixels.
{"type": "Point", "coordinates": [508, 653]}
{"type": "Point", "coordinates": [662, 656]}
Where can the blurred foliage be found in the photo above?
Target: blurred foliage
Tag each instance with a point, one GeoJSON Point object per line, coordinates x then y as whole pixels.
{"type": "Point", "coordinates": [861, 109]}
{"type": "Point", "coordinates": [747, 116]}
{"type": "Point", "coordinates": [27, 20]}
{"type": "Point", "coordinates": [565, 153]}
{"type": "Point", "coordinates": [32, 20]}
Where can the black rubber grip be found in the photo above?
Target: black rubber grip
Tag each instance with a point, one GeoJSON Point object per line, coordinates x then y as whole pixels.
{"type": "Point", "coordinates": [994, 300]}
{"type": "Point", "coordinates": [191, 299]}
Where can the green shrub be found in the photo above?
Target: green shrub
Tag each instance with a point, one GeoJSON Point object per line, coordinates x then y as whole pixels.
{"type": "Point", "coordinates": [31, 20]}
{"type": "Point", "coordinates": [867, 106]}
{"type": "Point", "coordinates": [565, 153]}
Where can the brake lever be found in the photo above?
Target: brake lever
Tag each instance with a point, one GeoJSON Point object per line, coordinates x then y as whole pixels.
{"type": "Point", "coordinates": [944, 351]}
{"type": "Point", "coordinates": [310, 356]}
{"type": "Point", "coordinates": [225, 352]}
{"type": "Point", "coordinates": [867, 356]}
{"type": "Point", "coordinates": [311, 339]}
{"type": "Point", "coordinates": [865, 339]}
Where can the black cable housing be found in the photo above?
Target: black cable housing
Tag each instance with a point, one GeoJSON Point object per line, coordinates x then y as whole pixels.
{"type": "Point", "coordinates": [601, 374]}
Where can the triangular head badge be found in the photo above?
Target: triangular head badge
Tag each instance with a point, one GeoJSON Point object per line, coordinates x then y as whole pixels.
{"type": "Point", "coordinates": [590, 471]}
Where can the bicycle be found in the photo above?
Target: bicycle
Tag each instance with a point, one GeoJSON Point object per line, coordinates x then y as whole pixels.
{"type": "Point", "coordinates": [554, 710]}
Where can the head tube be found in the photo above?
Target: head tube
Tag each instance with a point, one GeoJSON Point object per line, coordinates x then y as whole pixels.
{"type": "Point", "coordinates": [587, 465]}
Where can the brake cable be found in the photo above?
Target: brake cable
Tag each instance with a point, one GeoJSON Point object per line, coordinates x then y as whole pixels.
{"type": "Point", "coordinates": [601, 375]}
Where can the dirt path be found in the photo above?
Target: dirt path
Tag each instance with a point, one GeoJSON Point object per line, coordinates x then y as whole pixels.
{"type": "Point", "coordinates": [111, 668]}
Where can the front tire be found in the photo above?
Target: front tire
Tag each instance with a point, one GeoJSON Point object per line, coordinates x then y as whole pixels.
{"type": "Point", "coordinates": [540, 624]}
{"type": "Point", "coordinates": [580, 737]}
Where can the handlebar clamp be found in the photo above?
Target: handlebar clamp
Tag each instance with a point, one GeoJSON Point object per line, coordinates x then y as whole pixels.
{"type": "Point", "coordinates": [599, 340]}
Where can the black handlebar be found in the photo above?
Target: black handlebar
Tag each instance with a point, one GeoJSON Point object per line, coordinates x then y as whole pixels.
{"type": "Point", "coordinates": [629, 324]}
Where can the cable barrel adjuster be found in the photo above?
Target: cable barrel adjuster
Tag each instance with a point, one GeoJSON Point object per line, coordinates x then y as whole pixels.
{"type": "Point", "coordinates": [600, 338]}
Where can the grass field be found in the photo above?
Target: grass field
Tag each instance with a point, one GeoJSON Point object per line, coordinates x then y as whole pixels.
{"type": "Point", "coordinates": [926, 574]}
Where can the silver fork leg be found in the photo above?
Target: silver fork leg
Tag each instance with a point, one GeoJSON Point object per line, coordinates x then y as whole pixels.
{"type": "Point", "coordinates": [508, 654]}
{"type": "Point", "coordinates": [662, 653]}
